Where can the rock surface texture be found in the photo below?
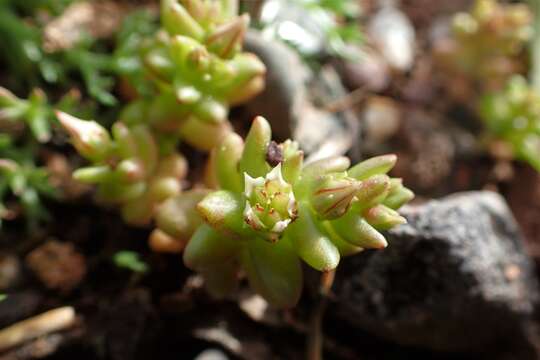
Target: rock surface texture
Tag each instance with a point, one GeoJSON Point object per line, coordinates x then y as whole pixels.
{"type": "Point", "coordinates": [456, 277]}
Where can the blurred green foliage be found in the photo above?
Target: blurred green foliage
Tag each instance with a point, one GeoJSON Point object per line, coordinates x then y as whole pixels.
{"type": "Point", "coordinates": [513, 115]}
{"type": "Point", "coordinates": [22, 180]}
{"type": "Point", "coordinates": [130, 260]}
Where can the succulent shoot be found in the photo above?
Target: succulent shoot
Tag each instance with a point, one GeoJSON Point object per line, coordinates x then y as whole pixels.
{"type": "Point", "coordinates": [271, 211]}
{"type": "Point", "coordinates": [197, 64]}
{"type": "Point", "coordinates": [127, 166]}
{"type": "Point", "coordinates": [513, 116]}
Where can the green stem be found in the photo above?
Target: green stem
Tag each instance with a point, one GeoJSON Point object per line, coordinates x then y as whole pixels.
{"type": "Point", "coordinates": [315, 340]}
{"type": "Point", "coordinates": [535, 46]}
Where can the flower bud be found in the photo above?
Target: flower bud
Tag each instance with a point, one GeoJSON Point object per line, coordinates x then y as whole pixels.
{"type": "Point", "coordinates": [332, 195]}
{"type": "Point", "coordinates": [89, 138]}
{"type": "Point", "coordinates": [270, 203]}
{"type": "Point", "coordinates": [372, 191]}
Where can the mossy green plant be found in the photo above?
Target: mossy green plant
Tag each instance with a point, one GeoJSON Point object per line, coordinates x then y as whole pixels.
{"type": "Point", "coordinates": [271, 211]}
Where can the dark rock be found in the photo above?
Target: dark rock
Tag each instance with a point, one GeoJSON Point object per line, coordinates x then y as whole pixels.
{"type": "Point", "coordinates": [456, 277]}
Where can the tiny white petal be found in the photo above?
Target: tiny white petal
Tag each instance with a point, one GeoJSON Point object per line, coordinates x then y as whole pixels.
{"type": "Point", "coordinates": [291, 206]}
{"type": "Point", "coordinates": [275, 174]}
{"type": "Point", "coordinates": [250, 183]}
{"type": "Point", "coordinates": [251, 217]}
{"type": "Point", "coordinates": [281, 225]}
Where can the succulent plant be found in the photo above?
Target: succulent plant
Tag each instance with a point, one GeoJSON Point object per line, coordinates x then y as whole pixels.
{"type": "Point", "coordinates": [197, 64]}
{"type": "Point", "coordinates": [513, 115]}
{"type": "Point", "coordinates": [271, 211]}
{"type": "Point", "coordinates": [129, 167]}
{"type": "Point", "coordinates": [489, 40]}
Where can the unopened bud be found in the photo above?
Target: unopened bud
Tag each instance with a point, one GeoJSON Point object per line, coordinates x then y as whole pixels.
{"type": "Point", "coordinates": [333, 194]}
{"type": "Point", "coordinates": [89, 138]}
{"type": "Point", "coordinates": [372, 191]}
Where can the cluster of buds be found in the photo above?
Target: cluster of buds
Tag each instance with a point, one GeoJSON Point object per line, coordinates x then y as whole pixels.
{"type": "Point", "coordinates": [128, 166]}
{"type": "Point", "coordinates": [489, 40]}
{"type": "Point", "coordinates": [271, 211]}
{"type": "Point", "coordinates": [196, 62]}
{"type": "Point", "coordinates": [513, 116]}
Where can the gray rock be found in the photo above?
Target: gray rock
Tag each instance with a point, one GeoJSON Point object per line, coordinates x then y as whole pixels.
{"type": "Point", "coordinates": [456, 277]}
{"type": "Point", "coordinates": [394, 35]}
{"type": "Point", "coordinates": [290, 21]}
{"type": "Point", "coordinates": [295, 101]}
{"type": "Point", "coordinates": [285, 95]}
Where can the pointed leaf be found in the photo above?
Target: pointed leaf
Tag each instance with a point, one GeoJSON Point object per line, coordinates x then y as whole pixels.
{"type": "Point", "coordinates": [253, 161]}
{"type": "Point", "coordinates": [274, 271]}
{"type": "Point", "coordinates": [207, 247]}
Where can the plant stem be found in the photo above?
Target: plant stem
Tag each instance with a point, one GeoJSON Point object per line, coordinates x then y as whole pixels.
{"type": "Point", "coordinates": [315, 339]}
{"type": "Point", "coordinates": [535, 45]}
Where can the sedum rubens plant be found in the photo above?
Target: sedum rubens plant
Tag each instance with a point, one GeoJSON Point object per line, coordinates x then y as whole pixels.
{"type": "Point", "coordinates": [196, 63]}
{"type": "Point", "coordinates": [488, 42]}
{"type": "Point", "coordinates": [128, 166]}
{"type": "Point", "coordinates": [271, 211]}
{"type": "Point", "coordinates": [513, 116]}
